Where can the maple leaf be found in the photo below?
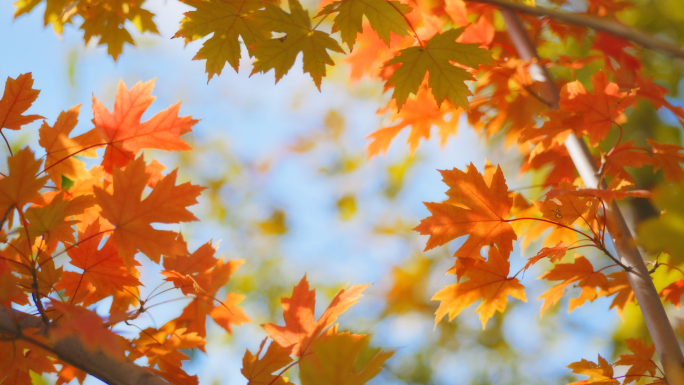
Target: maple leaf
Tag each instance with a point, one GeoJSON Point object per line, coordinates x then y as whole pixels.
{"type": "Point", "coordinates": [162, 348]}
{"type": "Point", "coordinates": [474, 209]}
{"type": "Point", "coordinates": [488, 281]}
{"type": "Point", "coordinates": [49, 220]}
{"type": "Point", "coordinates": [600, 110]}
{"type": "Point", "coordinates": [107, 20]}
{"type": "Point", "coordinates": [620, 286]}
{"type": "Point", "coordinates": [125, 135]}
{"type": "Point", "coordinates": [228, 313]}
{"type": "Point", "coordinates": [301, 328]}
{"type": "Point", "coordinates": [601, 373]}
{"type": "Point", "coordinates": [227, 20]}
{"type": "Point", "coordinates": [640, 362]}
{"type": "Point", "coordinates": [19, 359]}
{"type": "Point", "coordinates": [132, 217]}
{"type": "Point", "coordinates": [435, 57]}
{"type": "Point", "coordinates": [280, 54]}
{"type": "Point", "coordinates": [673, 292]}
{"type": "Point", "coordinates": [564, 208]}
{"type": "Point", "coordinates": [17, 98]}
{"type": "Point", "coordinates": [421, 113]}
{"type": "Point", "coordinates": [102, 268]}
{"type": "Point", "coordinates": [580, 271]}
{"type": "Point", "coordinates": [555, 254]}
{"type": "Point", "coordinates": [385, 17]}
{"type": "Point", "coordinates": [59, 148]}
{"type": "Point", "coordinates": [668, 157]}
{"type": "Point", "coordinates": [342, 356]}
{"type": "Point", "coordinates": [258, 371]}
{"type": "Point", "coordinates": [624, 155]}
{"type": "Point", "coordinates": [22, 184]}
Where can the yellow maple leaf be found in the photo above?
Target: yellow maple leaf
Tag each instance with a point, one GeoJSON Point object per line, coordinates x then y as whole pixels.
{"type": "Point", "coordinates": [384, 17]}
{"type": "Point", "coordinates": [280, 54]}
{"type": "Point", "coordinates": [227, 20]}
{"type": "Point", "coordinates": [435, 57]}
{"type": "Point", "coordinates": [340, 356]}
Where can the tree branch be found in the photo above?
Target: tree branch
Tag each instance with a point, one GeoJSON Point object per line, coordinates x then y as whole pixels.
{"type": "Point", "coordinates": [72, 351]}
{"type": "Point", "coordinates": [639, 278]}
{"type": "Point", "coordinates": [595, 23]}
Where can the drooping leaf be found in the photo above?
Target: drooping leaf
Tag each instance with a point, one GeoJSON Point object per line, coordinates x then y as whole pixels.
{"type": "Point", "coordinates": [435, 58]}
{"type": "Point", "coordinates": [227, 20]}
{"type": "Point", "coordinates": [280, 54]}
{"type": "Point", "coordinates": [555, 254]}
{"type": "Point", "coordinates": [619, 285]}
{"type": "Point", "coordinates": [640, 361]}
{"type": "Point", "coordinates": [601, 373]}
{"type": "Point", "coordinates": [384, 17]}
{"type": "Point", "coordinates": [489, 281]}
{"type": "Point", "coordinates": [580, 271]}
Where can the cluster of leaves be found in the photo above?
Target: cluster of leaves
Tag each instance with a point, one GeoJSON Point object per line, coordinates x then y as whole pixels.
{"type": "Point", "coordinates": [425, 51]}
{"type": "Point", "coordinates": [101, 219]}
{"type": "Point", "coordinates": [639, 361]}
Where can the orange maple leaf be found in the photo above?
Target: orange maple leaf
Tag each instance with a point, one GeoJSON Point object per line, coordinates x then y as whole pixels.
{"type": "Point", "coordinates": [420, 113]}
{"type": "Point", "coordinates": [132, 216]}
{"type": "Point", "coordinates": [125, 135]}
{"type": "Point", "coordinates": [17, 98]}
{"type": "Point", "coordinates": [102, 268]}
{"type": "Point", "coordinates": [258, 371]}
{"type": "Point", "coordinates": [301, 328]}
{"type": "Point", "coordinates": [20, 357]}
{"type": "Point", "coordinates": [600, 109]}
{"type": "Point", "coordinates": [598, 374]}
{"type": "Point", "coordinates": [620, 286]}
{"type": "Point", "coordinates": [488, 281]}
{"type": "Point", "coordinates": [564, 207]}
{"type": "Point", "coordinates": [22, 184]}
{"type": "Point", "coordinates": [59, 147]}
{"type": "Point", "coordinates": [673, 292]}
{"type": "Point", "coordinates": [580, 271]}
{"type": "Point", "coordinates": [474, 208]}
{"type": "Point", "coordinates": [640, 362]}
{"type": "Point", "coordinates": [555, 254]}
{"type": "Point", "coordinates": [668, 157]}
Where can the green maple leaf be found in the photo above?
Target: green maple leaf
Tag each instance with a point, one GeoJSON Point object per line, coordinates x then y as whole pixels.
{"type": "Point", "coordinates": [227, 20]}
{"type": "Point", "coordinates": [280, 54]}
{"type": "Point", "coordinates": [435, 57]}
{"type": "Point", "coordinates": [384, 17]}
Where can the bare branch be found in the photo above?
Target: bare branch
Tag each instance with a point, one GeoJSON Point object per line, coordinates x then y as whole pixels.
{"type": "Point", "coordinates": [72, 351]}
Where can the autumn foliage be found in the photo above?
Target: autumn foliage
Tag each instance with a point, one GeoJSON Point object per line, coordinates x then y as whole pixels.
{"type": "Point", "coordinates": [441, 63]}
